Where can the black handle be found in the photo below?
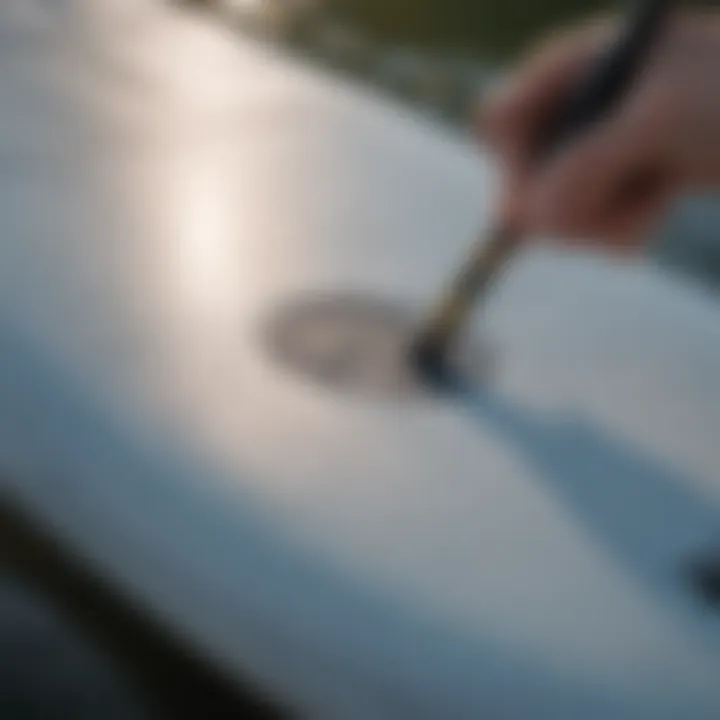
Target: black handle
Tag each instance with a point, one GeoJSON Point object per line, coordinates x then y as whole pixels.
{"type": "Point", "coordinates": [610, 79]}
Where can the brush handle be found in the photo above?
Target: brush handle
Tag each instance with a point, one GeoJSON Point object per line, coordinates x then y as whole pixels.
{"type": "Point", "coordinates": [605, 85]}
{"type": "Point", "coordinates": [610, 79]}
{"type": "Point", "coordinates": [474, 279]}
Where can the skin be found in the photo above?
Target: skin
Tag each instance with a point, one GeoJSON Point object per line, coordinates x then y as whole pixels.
{"type": "Point", "coordinates": [610, 187]}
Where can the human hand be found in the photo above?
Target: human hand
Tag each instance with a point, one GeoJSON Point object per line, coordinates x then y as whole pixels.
{"type": "Point", "coordinates": [611, 185]}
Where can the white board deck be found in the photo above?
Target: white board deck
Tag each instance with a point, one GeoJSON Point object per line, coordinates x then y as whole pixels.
{"type": "Point", "coordinates": [163, 185]}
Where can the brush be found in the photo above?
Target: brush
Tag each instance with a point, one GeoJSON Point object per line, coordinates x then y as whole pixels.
{"type": "Point", "coordinates": [605, 85]}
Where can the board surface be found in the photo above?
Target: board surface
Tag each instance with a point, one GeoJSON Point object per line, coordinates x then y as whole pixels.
{"type": "Point", "coordinates": [518, 553]}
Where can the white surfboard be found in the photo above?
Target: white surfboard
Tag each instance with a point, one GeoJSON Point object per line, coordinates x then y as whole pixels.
{"type": "Point", "coordinates": [517, 553]}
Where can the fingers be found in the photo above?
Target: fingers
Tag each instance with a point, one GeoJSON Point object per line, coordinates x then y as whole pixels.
{"type": "Point", "coordinates": [623, 224]}
{"type": "Point", "coordinates": [607, 187]}
{"type": "Point", "coordinates": [612, 184]}
{"type": "Point", "coordinates": [514, 116]}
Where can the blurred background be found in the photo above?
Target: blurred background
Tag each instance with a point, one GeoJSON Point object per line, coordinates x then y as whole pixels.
{"type": "Point", "coordinates": [437, 53]}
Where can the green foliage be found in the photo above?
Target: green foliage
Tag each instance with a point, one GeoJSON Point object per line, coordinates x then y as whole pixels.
{"type": "Point", "coordinates": [494, 28]}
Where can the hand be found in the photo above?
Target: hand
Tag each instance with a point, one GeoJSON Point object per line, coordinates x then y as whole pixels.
{"type": "Point", "coordinates": [612, 185]}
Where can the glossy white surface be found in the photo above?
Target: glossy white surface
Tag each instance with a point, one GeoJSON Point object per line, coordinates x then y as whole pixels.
{"type": "Point", "coordinates": [164, 184]}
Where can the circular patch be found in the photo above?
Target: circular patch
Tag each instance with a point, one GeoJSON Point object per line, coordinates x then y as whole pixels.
{"type": "Point", "coordinates": [359, 344]}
